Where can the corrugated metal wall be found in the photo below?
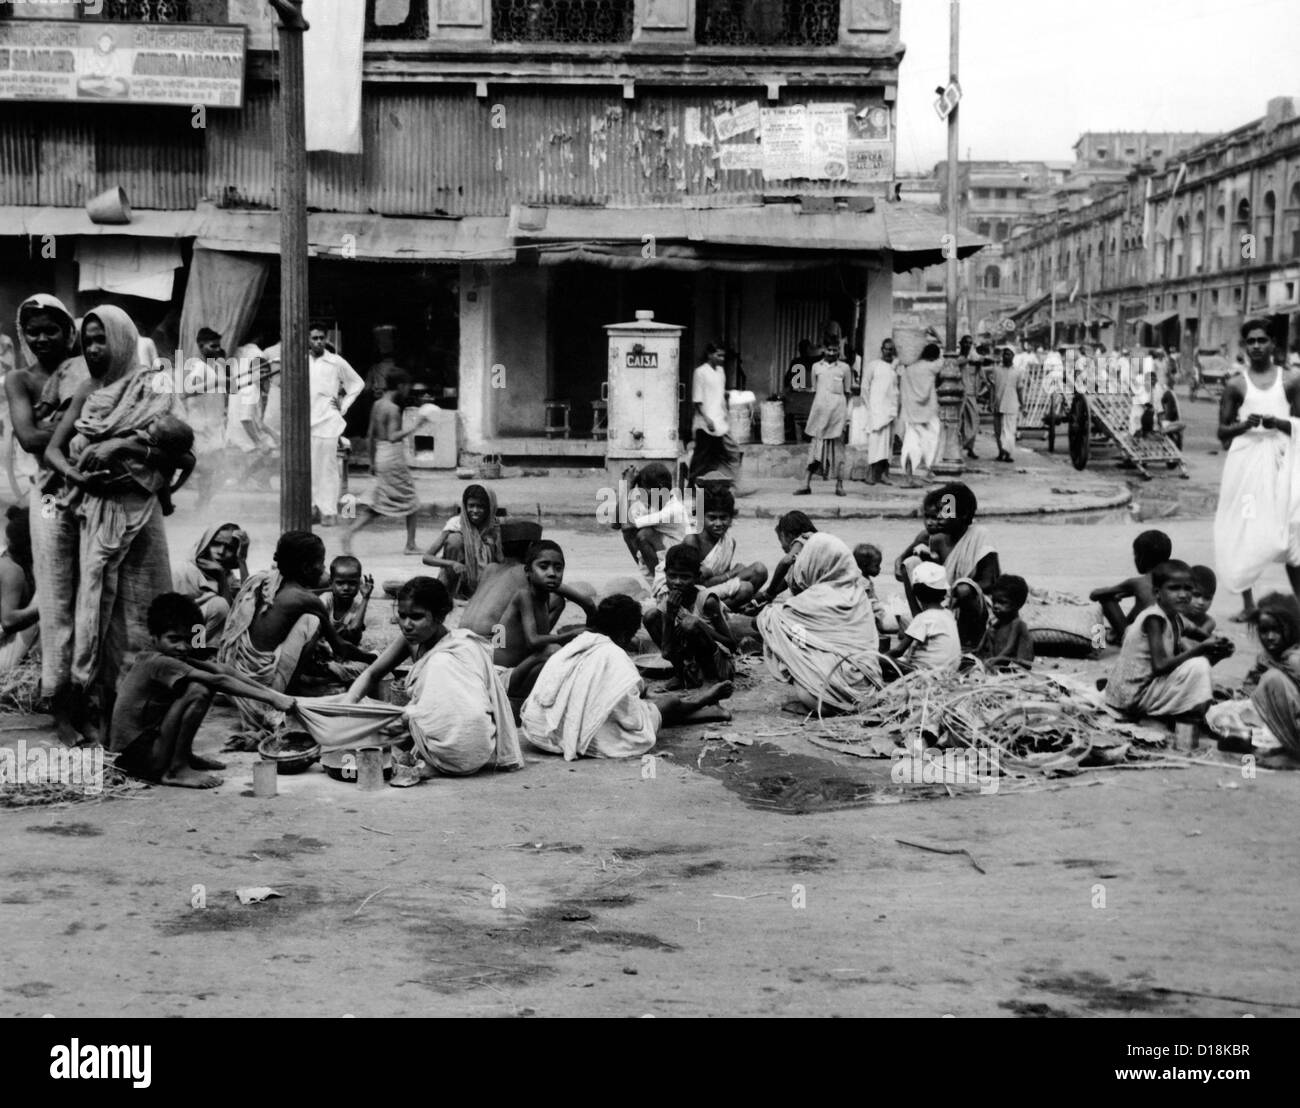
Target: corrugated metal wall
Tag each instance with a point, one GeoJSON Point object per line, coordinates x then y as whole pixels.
{"type": "Point", "coordinates": [62, 155]}
{"type": "Point", "coordinates": [440, 149]}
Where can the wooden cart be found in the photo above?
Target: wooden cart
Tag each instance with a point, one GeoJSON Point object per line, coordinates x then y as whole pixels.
{"type": "Point", "coordinates": [1096, 417]}
{"type": "Point", "coordinates": [1045, 403]}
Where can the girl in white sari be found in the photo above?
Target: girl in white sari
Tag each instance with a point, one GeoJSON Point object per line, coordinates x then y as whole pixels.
{"type": "Point", "coordinates": [1259, 497]}
{"type": "Point", "coordinates": [823, 639]}
{"type": "Point", "coordinates": [459, 715]}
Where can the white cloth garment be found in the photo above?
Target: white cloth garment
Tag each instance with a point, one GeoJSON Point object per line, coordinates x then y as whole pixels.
{"type": "Point", "coordinates": [332, 53]}
{"type": "Point", "coordinates": [709, 391]}
{"type": "Point", "coordinates": [130, 266]}
{"type": "Point", "coordinates": [329, 375]}
{"type": "Point", "coordinates": [1258, 517]}
{"type": "Point", "coordinates": [326, 483]}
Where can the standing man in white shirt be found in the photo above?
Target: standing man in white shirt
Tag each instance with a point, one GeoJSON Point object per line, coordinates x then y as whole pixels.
{"type": "Point", "coordinates": [715, 450]}
{"type": "Point", "coordinates": [334, 386]}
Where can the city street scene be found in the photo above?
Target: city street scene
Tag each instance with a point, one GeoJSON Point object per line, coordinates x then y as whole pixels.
{"type": "Point", "coordinates": [650, 508]}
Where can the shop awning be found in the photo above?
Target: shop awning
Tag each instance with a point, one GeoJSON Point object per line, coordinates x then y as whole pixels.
{"type": "Point", "coordinates": [364, 237]}
{"type": "Point", "coordinates": [20, 220]}
{"type": "Point", "coordinates": [1158, 319]}
{"type": "Point", "coordinates": [1030, 308]}
{"type": "Point", "coordinates": [691, 237]}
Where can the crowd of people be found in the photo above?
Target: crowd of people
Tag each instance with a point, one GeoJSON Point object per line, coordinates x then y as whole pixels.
{"type": "Point", "coordinates": [134, 650]}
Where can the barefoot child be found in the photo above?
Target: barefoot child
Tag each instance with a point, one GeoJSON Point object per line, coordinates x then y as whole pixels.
{"type": "Point", "coordinates": [394, 490]}
{"type": "Point", "coordinates": [869, 560]}
{"type": "Point", "coordinates": [1199, 624]}
{"type": "Point", "coordinates": [458, 715]}
{"type": "Point", "coordinates": [1007, 645]}
{"type": "Point", "coordinates": [930, 641]}
{"type": "Point", "coordinates": [734, 585]}
{"type": "Point", "coordinates": [468, 543]}
{"type": "Point", "coordinates": [165, 695]}
{"type": "Point", "coordinates": [792, 531]}
{"type": "Point", "coordinates": [1149, 549]}
{"type": "Point", "coordinates": [689, 625]}
{"type": "Point", "coordinates": [275, 618]}
{"type": "Point", "coordinates": [538, 607]}
{"type": "Point", "coordinates": [589, 700]}
{"type": "Point", "coordinates": [1276, 679]}
{"type": "Point", "coordinates": [1157, 673]}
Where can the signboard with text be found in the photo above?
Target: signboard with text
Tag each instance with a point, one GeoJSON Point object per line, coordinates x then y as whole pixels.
{"type": "Point", "coordinates": [122, 63]}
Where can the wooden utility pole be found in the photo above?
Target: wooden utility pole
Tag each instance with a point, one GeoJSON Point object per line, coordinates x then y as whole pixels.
{"type": "Point", "coordinates": [954, 267]}
{"type": "Point", "coordinates": [291, 158]}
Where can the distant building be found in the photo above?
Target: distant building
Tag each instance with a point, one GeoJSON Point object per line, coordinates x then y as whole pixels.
{"type": "Point", "coordinates": [1177, 254]}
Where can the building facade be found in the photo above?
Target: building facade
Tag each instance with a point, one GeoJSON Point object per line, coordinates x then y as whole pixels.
{"type": "Point", "coordinates": [1178, 255]}
{"type": "Point", "coordinates": [530, 173]}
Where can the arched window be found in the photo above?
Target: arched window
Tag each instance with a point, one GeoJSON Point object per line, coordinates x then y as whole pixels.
{"type": "Point", "coordinates": [1264, 224]}
{"type": "Point", "coordinates": [1218, 229]}
{"type": "Point", "coordinates": [1001, 231]}
{"type": "Point", "coordinates": [992, 277]}
{"type": "Point", "coordinates": [1240, 230]}
{"type": "Point", "coordinates": [1291, 223]}
{"type": "Point", "coordinates": [1198, 242]}
{"type": "Point", "coordinates": [982, 228]}
{"type": "Point", "coordinates": [1176, 246]}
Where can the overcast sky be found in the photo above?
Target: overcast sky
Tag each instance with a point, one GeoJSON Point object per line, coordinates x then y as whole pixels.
{"type": "Point", "coordinates": [1035, 74]}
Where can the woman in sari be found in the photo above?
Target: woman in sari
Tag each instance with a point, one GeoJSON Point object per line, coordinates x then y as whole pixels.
{"type": "Point", "coordinates": [208, 578]}
{"type": "Point", "coordinates": [966, 551]}
{"type": "Point", "coordinates": [123, 547]}
{"type": "Point", "coordinates": [468, 543]}
{"type": "Point", "coordinates": [37, 398]}
{"type": "Point", "coordinates": [823, 638]}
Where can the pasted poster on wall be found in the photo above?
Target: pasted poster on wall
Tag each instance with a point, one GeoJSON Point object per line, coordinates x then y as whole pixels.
{"type": "Point", "coordinates": [132, 63]}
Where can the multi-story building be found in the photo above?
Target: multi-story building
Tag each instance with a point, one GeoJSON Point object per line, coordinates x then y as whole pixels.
{"type": "Point", "coordinates": [530, 172]}
{"type": "Point", "coordinates": [1179, 254]}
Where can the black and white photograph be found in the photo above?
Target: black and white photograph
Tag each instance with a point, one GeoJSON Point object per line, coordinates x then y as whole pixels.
{"type": "Point", "coordinates": [650, 509]}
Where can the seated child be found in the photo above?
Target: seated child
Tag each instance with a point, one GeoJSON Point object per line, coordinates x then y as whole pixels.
{"type": "Point", "coordinates": [655, 519]}
{"type": "Point", "coordinates": [165, 695]}
{"type": "Point", "coordinates": [1007, 644]}
{"type": "Point", "coordinates": [170, 441]}
{"type": "Point", "coordinates": [1198, 624]}
{"type": "Point", "coordinates": [272, 624]}
{"type": "Point", "coordinates": [930, 642]}
{"type": "Point", "coordinates": [792, 530]}
{"type": "Point", "coordinates": [536, 609]}
{"type": "Point", "coordinates": [734, 585]}
{"type": "Point", "coordinates": [486, 612]}
{"type": "Point", "coordinates": [869, 559]}
{"type": "Point", "coordinates": [458, 718]}
{"type": "Point", "coordinates": [346, 603]}
{"type": "Point", "coordinates": [589, 700]}
{"type": "Point", "coordinates": [1149, 549]}
{"type": "Point", "coordinates": [1157, 673]}
{"type": "Point", "coordinates": [1274, 683]}
{"type": "Point", "coordinates": [689, 625]}
{"type": "Point", "coordinates": [468, 543]}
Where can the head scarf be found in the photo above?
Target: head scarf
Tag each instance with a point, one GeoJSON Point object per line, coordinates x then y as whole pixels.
{"type": "Point", "coordinates": [127, 401]}
{"type": "Point", "coordinates": [44, 302]}
{"type": "Point", "coordinates": [482, 544]}
{"type": "Point", "coordinates": [824, 637]}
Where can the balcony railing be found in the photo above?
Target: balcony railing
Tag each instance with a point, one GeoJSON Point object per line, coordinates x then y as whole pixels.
{"type": "Point", "coordinates": [591, 21]}
{"type": "Point", "coordinates": [767, 22]}
{"type": "Point", "coordinates": [145, 11]}
{"type": "Point", "coordinates": [405, 20]}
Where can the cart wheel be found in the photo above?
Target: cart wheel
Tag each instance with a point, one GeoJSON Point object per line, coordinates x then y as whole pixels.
{"type": "Point", "coordinates": [1055, 415]}
{"type": "Point", "coordinates": [1080, 432]}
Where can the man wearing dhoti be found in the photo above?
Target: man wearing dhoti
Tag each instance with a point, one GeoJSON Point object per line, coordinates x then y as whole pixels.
{"type": "Point", "coordinates": [334, 386]}
{"type": "Point", "coordinates": [880, 394]}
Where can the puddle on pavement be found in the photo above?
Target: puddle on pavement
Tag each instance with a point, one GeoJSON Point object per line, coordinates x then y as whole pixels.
{"type": "Point", "coordinates": [1093, 992]}
{"type": "Point", "coordinates": [770, 778]}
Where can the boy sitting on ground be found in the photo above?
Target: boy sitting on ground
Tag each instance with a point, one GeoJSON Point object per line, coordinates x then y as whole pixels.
{"type": "Point", "coordinates": [590, 701]}
{"type": "Point", "coordinates": [655, 519]}
{"type": "Point", "coordinates": [1007, 644]}
{"type": "Point", "coordinates": [931, 641]}
{"type": "Point", "coordinates": [271, 626]}
{"type": "Point", "coordinates": [689, 625]}
{"type": "Point", "coordinates": [1198, 624]}
{"type": "Point", "coordinates": [734, 585]}
{"type": "Point", "coordinates": [165, 695]}
{"type": "Point", "coordinates": [346, 603]}
{"type": "Point", "coordinates": [1149, 549]}
{"type": "Point", "coordinates": [537, 608]}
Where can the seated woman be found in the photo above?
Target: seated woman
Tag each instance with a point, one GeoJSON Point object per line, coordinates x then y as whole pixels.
{"type": "Point", "coordinates": [19, 616]}
{"type": "Point", "coordinates": [966, 551]}
{"type": "Point", "coordinates": [208, 577]}
{"type": "Point", "coordinates": [589, 699]}
{"type": "Point", "coordinates": [1276, 693]}
{"type": "Point", "coordinates": [823, 638]}
{"type": "Point", "coordinates": [458, 714]}
{"type": "Point", "coordinates": [468, 543]}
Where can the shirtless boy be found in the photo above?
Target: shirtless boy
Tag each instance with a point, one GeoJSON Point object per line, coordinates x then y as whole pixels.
{"type": "Point", "coordinates": [537, 607]}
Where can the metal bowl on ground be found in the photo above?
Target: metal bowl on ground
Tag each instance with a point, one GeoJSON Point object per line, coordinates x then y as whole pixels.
{"type": "Point", "coordinates": [653, 666]}
{"type": "Point", "coordinates": [342, 764]}
{"type": "Point", "coordinates": [291, 751]}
